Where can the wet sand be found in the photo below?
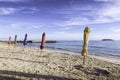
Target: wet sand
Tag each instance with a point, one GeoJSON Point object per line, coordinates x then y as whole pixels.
{"type": "Point", "coordinates": [19, 63]}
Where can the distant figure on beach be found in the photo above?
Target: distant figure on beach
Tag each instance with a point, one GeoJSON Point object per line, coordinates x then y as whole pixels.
{"type": "Point", "coordinates": [25, 40]}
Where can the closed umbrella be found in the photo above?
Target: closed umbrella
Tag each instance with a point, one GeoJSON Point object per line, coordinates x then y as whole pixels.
{"type": "Point", "coordinates": [9, 41]}
{"type": "Point", "coordinates": [84, 51]}
{"type": "Point", "coordinates": [42, 42]}
{"type": "Point", "coordinates": [15, 40]}
{"type": "Point", "coordinates": [25, 40]}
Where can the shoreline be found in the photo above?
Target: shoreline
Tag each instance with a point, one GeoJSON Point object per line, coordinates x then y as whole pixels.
{"type": "Point", "coordinates": [106, 57]}
{"type": "Point", "coordinates": [29, 63]}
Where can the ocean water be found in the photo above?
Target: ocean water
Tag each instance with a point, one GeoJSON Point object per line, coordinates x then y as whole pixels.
{"type": "Point", "coordinates": [94, 47]}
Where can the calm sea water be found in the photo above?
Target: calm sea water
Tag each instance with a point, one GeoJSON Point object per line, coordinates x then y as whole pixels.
{"type": "Point", "coordinates": [94, 47]}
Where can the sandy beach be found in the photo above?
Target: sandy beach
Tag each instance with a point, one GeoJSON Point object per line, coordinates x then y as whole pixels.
{"type": "Point", "coordinates": [19, 63]}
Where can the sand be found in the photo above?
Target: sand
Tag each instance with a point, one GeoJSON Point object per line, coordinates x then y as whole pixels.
{"type": "Point", "coordinates": [19, 63]}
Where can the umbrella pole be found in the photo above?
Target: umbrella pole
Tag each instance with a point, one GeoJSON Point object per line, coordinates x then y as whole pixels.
{"type": "Point", "coordinates": [14, 45]}
{"type": "Point", "coordinates": [9, 47]}
{"type": "Point", "coordinates": [41, 52]}
{"type": "Point", "coordinates": [24, 49]}
{"type": "Point", "coordinates": [38, 50]}
{"type": "Point", "coordinates": [84, 57]}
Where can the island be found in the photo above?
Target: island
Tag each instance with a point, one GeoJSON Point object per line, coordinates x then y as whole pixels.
{"type": "Point", "coordinates": [108, 40]}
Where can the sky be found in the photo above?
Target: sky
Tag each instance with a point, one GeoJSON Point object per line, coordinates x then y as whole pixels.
{"type": "Point", "coordinates": [60, 19]}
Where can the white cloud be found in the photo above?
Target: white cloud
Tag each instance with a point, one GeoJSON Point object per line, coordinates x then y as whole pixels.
{"type": "Point", "coordinates": [65, 36]}
{"type": "Point", "coordinates": [112, 11]}
{"type": "Point", "coordinates": [7, 11]}
{"type": "Point", "coordinates": [12, 0]}
{"type": "Point", "coordinates": [108, 12]}
{"type": "Point", "coordinates": [28, 9]}
{"type": "Point", "coordinates": [104, 0]}
{"type": "Point", "coordinates": [20, 26]}
{"type": "Point", "coordinates": [115, 29]}
{"type": "Point", "coordinates": [66, 28]}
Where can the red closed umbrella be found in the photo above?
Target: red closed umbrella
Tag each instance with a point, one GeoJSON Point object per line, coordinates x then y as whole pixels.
{"type": "Point", "coordinates": [9, 41]}
{"type": "Point", "coordinates": [43, 41]}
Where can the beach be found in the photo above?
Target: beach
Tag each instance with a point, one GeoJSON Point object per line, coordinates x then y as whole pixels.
{"type": "Point", "coordinates": [28, 63]}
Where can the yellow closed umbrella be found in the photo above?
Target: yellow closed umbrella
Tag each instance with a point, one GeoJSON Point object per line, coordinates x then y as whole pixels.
{"type": "Point", "coordinates": [84, 51]}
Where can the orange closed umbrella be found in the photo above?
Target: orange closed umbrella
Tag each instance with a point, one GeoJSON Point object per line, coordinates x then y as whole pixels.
{"type": "Point", "coordinates": [84, 51]}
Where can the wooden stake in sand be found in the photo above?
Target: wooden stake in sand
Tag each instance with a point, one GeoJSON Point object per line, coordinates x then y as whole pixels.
{"type": "Point", "coordinates": [42, 42]}
{"type": "Point", "coordinates": [9, 42]}
{"type": "Point", "coordinates": [15, 41]}
{"type": "Point", "coordinates": [84, 51]}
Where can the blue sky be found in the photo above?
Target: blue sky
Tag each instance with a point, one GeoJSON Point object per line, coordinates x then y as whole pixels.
{"type": "Point", "coordinates": [60, 19]}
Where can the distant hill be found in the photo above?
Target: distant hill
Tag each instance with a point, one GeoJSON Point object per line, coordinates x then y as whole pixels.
{"type": "Point", "coordinates": [108, 40]}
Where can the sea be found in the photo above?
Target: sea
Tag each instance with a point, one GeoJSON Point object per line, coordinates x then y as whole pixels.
{"type": "Point", "coordinates": [75, 47]}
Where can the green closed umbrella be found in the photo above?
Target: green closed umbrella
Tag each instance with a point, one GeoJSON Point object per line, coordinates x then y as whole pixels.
{"type": "Point", "coordinates": [15, 40]}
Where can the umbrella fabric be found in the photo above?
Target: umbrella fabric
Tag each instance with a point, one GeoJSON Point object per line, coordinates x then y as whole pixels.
{"type": "Point", "coordinates": [85, 43]}
{"type": "Point", "coordinates": [43, 41]}
{"type": "Point", "coordinates": [15, 40]}
{"type": "Point", "coordinates": [25, 40]}
{"type": "Point", "coordinates": [9, 41]}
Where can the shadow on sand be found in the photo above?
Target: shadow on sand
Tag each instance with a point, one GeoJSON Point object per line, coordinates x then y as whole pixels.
{"type": "Point", "coordinates": [92, 71]}
{"type": "Point", "coordinates": [15, 74]}
{"type": "Point", "coordinates": [8, 78]}
{"type": "Point", "coordinates": [21, 60]}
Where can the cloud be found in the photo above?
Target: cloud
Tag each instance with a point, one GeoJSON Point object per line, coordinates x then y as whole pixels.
{"type": "Point", "coordinates": [106, 12]}
{"type": "Point", "coordinates": [66, 28]}
{"type": "Point", "coordinates": [21, 26]}
{"type": "Point", "coordinates": [115, 29]}
{"type": "Point", "coordinates": [112, 11]}
{"type": "Point", "coordinates": [104, 0]}
{"type": "Point", "coordinates": [12, 0]}
{"type": "Point", "coordinates": [28, 9]}
{"type": "Point", "coordinates": [65, 36]}
{"type": "Point", "coordinates": [11, 10]}
{"type": "Point", "coordinates": [7, 11]}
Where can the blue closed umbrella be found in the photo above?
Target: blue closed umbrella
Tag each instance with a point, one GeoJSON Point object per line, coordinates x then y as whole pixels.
{"type": "Point", "coordinates": [25, 40]}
